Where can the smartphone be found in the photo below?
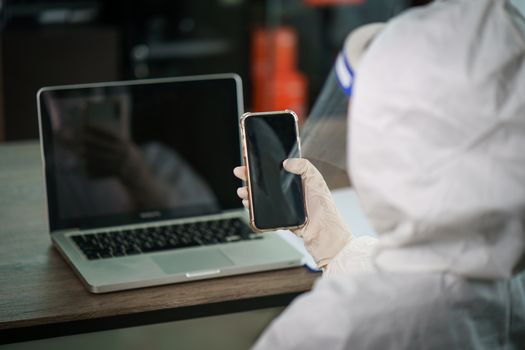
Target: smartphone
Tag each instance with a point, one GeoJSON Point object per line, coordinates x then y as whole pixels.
{"type": "Point", "coordinates": [276, 196]}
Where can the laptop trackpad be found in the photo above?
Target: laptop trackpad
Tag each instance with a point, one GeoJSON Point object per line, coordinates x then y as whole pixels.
{"type": "Point", "coordinates": [182, 262]}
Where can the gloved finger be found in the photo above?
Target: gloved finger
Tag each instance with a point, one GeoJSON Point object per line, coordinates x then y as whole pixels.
{"type": "Point", "coordinates": [246, 203]}
{"type": "Point", "coordinates": [299, 166]}
{"type": "Point", "coordinates": [242, 192]}
{"type": "Point", "coordinates": [240, 172]}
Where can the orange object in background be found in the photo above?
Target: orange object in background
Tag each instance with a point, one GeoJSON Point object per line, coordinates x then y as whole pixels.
{"type": "Point", "coordinates": [277, 83]}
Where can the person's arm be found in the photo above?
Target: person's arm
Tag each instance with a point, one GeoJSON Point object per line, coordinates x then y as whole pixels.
{"type": "Point", "coordinates": [355, 256]}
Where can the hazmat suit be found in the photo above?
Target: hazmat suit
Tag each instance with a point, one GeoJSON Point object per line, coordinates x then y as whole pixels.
{"type": "Point", "coordinates": [437, 157]}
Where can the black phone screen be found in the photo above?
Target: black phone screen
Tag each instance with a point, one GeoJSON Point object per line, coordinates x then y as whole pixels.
{"type": "Point", "coordinates": [277, 195]}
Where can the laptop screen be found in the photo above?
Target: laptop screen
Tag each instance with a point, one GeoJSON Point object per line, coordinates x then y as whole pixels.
{"type": "Point", "coordinates": [129, 152]}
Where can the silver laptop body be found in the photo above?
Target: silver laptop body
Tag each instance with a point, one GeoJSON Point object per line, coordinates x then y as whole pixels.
{"type": "Point", "coordinates": [150, 160]}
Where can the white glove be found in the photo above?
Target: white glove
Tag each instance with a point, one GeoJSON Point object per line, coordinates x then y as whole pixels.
{"type": "Point", "coordinates": [355, 256]}
{"type": "Point", "coordinates": [325, 233]}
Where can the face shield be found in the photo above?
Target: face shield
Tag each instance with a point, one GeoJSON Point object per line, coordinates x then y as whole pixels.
{"type": "Point", "coordinates": [324, 134]}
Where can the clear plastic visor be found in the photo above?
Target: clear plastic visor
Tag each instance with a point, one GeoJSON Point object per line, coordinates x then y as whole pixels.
{"type": "Point", "coordinates": [324, 134]}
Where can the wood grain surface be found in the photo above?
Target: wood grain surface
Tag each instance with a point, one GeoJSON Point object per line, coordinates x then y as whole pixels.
{"type": "Point", "coordinates": [37, 287]}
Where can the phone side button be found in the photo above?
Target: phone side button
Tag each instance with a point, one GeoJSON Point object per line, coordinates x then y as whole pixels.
{"type": "Point", "coordinates": [202, 273]}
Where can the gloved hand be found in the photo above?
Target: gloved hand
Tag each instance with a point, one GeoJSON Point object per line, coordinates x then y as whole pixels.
{"type": "Point", "coordinates": [325, 233]}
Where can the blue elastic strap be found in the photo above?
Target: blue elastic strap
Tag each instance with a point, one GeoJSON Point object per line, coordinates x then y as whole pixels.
{"type": "Point", "coordinates": [344, 74]}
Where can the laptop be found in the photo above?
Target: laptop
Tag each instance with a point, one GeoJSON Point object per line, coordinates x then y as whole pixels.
{"type": "Point", "coordinates": [139, 182]}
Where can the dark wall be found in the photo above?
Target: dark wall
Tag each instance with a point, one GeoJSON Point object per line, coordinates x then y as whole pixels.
{"type": "Point", "coordinates": [52, 56]}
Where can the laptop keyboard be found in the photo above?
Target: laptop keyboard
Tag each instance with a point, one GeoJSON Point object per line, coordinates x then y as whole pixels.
{"type": "Point", "coordinates": [103, 245]}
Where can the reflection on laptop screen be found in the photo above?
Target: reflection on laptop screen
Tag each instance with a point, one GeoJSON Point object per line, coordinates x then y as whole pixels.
{"type": "Point", "coordinates": [117, 154]}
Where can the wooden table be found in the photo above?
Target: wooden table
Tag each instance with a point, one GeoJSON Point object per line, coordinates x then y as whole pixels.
{"type": "Point", "coordinates": [40, 296]}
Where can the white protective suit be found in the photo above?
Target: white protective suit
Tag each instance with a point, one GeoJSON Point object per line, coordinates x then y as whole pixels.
{"type": "Point", "coordinates": [437, 157]}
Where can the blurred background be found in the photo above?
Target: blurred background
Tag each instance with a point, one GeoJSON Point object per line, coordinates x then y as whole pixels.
{"type": "Point", "coordinates": [282, 49]}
